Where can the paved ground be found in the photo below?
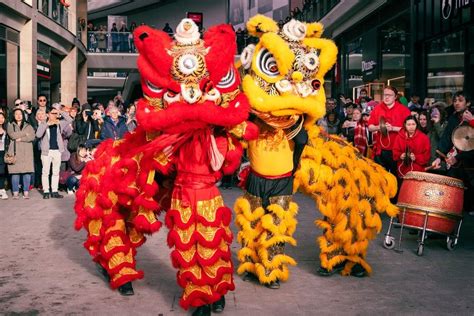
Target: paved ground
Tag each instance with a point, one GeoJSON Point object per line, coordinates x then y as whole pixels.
{"type": "Point", "coordinates": [45, 270]}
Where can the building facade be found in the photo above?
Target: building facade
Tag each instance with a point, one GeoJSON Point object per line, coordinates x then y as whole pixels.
{"type": "Point", "coordinates": [42, 50]}
{"type": "Point", "coordinates": [421, 47]}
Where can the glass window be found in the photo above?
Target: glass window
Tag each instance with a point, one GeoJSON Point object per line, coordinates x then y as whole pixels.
{"type": "Point", "coordinates": [395, 48]}
{"type": "Point", "coordinates": [353, 61]}
{"type": "Point", "coordinates": [43, 7]}
{"type": "Point", "coordinates": [44, 78]}
{"type": "Point", "coordinates": [445, 65]}
{"type": "Point", "coordinates": [9, 67]}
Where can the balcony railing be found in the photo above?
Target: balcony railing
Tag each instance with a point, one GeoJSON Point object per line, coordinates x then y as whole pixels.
{"type": "Point", "coordinates": [110, 42]}
{"type": "Point", "coordinates": [58, 12]}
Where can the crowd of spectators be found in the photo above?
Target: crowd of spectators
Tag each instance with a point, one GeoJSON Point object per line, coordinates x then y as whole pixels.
{"type": "Point", "coordinates": [51, 143]}
{"type": "Point", "coordinates": [45, 147]}
{"type": "Point", "coordinates": [118, 39]}
{"type": "Point", "coordinates": [406, 136]}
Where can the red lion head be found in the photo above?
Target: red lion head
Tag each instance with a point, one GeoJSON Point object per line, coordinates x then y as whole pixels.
{"type": "Point", "coordinates": [190, 82]}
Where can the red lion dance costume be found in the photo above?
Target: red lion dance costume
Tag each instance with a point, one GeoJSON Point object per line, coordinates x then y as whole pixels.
{"type": "Point", "coordinates": [190, 121]}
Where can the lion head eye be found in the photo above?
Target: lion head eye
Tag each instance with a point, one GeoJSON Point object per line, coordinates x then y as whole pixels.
{"type": "Point", "coordinates": [267, 64]}
{"type": "Point", "coordinates": [228, 80]}
{"type": "Point", "coordinates": [316, 84]}
{"type": "Point", "coordinates": [153, 88]}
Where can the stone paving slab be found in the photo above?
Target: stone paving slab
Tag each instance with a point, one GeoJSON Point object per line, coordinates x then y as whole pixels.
{"type": "Point", "coordinates": [45, 270]}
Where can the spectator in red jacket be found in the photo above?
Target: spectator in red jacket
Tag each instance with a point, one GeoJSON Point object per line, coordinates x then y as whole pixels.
{"type": "Point", "coordinates": [394, 114]}
{"type": "Point", "coordinates": [411, 149]}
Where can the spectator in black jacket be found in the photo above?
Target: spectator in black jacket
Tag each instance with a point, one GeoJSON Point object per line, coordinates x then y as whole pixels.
{"type": "Point", "coordinates": [461, 162]}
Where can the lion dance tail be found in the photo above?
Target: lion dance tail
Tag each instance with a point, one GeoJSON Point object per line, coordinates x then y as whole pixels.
{"type": "Point", "coordinates": [351, 191]}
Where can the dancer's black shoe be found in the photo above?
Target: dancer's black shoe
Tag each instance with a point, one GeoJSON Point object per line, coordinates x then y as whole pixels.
{"type": "Point", "coordinates": [218, 307]}
{"type": "Point", "coordinates": [249, 277]}
{"type": "Point", "coordinates": [126, 289]}
{"type": "Point", "coordinates": [103, 272]}
{"type": "Point", "coordinates": [358, 271]}
{"type": "Point", "coordinates": [204, 310]}
{"type": "Point", "coordinates": [337, 268]}
{"type": "Point", "coordinates": [274, 285]}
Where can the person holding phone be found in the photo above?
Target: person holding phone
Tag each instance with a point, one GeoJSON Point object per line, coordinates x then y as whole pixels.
{"type": "Point", "coordinates": [52, 145]}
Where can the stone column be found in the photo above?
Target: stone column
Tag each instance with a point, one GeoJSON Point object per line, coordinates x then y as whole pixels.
{"type": "Point", "coordinates": [69, 76]}
{"type": "Point", "coordinates": [82, 82]}
{"type": "Point", "coordinates": [28, 58]}
{"type": "Point", "coordinates": [81, 13]}
{"type": "Point", "coordinates": [12, 73]}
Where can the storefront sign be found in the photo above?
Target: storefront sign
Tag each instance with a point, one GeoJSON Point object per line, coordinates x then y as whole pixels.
{"type": "Point", "coordinates": [369, 65]}
{"type": "Point", "coordinates": [197, 17]}
{"type": "Point", "coordinates": [43, 69]}
{"type": "Point", "coordinates": [450, 8]}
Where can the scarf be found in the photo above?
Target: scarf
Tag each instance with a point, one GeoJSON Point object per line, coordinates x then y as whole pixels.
{"type": "Point", "coordinates": [360, 137]}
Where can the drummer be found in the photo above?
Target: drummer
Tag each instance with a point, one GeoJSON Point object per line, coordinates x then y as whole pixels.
{"type": "Point", "coordinates": [394, 113]}
{"type": "Point", "coordinates": [461, 163]}
{"type": "Point", "coordinates": [411, 149]}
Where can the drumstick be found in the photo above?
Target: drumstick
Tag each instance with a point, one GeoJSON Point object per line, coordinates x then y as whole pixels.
{"type": "Point", "coordinates": [441, 154]}
{"type": "Point", "coordinates": [429, 168]}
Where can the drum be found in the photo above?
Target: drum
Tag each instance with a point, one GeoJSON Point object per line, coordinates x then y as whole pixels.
{"type": "Point", "coordinates": [440, 196]}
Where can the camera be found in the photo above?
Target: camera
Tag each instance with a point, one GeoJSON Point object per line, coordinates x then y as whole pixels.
{"type": "Point", "coordinates": [89, 113]}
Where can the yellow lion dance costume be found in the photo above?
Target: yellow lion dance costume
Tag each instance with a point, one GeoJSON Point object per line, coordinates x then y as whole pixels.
{"type": "Point", "coordinates": [284, 84]}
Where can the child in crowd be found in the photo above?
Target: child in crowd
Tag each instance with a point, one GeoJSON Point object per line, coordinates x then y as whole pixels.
{"type": "Point", "coordinates": [77, 162]}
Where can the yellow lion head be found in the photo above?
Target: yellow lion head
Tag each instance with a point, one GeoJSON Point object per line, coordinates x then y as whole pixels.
{"type": "Point", "coordinates": [286, 68]}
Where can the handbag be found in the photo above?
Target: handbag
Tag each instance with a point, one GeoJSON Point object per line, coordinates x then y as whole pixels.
{"type": "Point", "coordinates": [10, 158]}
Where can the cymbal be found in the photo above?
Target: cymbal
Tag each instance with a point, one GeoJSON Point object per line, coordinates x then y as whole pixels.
{"type": "Point", "coordinates": [383, 127]}
{"type": "Point", "coordinates": [463, 138]}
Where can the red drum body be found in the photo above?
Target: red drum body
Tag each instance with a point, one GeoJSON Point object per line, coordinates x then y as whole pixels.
{"type": "Point", "coordinates": [440, 196]}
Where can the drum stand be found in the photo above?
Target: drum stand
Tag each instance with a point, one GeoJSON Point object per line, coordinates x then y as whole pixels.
{"type": "Point", "coordinates": [389, 240]}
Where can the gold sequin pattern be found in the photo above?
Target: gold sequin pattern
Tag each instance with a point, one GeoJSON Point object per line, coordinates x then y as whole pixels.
{"type": "Point", "coordinates": [207, 208]}
{"type": "Point", "coordinates": [162, 159]}
{"type": "Point", "coordinates": [282, 200]}
{"type": "Point", "coordinates": [254, 201]}
{"type": "Point", "coordinates": [239, 130]}
{"type": "Point", "coordinates": [212, 270]}
{"type": "Point", "coordinates": [94, 227]}
{"type": "Point", "coordinates": [149, 215]}
{"type": "Point", "coordinates": [229, 96]}
{"type": "Point", "coordinates": [184, 212]}
{"type": "Point", "coordinates": [135, 236]}
{"type": "Point", "coordinates": [156, 103]}
{"type": "Point", "coordinates": [185, 234]}
{"type": "Point", "coordinates": [195, 270]}
{"type": "Point", "coordinates": [124, 271]}
{"type": "Point", "coordinates": [118, 226]}
{"type": "Point", "coordinates": [205, 252]}
{"type": "Point", "coordinates": [190, 287]}
{"type": "Point", "coordinates": [120, 258]}
{"type": "Point", "coordinates": [90, 199]}
{"type": "Point", "coordinates": [113, 242]}
{"type": "Point", "coordinates": [188, 254]}
{"type": "Point", "coordinates": [207, 232]}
